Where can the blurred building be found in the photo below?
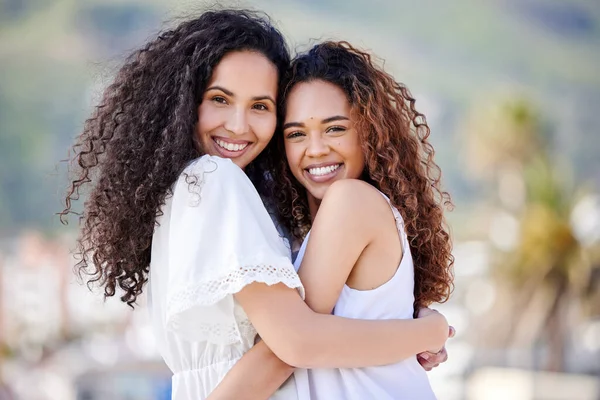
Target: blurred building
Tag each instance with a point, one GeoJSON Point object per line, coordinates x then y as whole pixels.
{"type": "Point", "coordinates": [58, 338]}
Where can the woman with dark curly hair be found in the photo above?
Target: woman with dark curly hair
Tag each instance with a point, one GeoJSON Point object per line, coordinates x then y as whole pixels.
{"type": "Point", "coordinates": [360, 176]}
{"type": "Point", "coordinates": [173, 154]}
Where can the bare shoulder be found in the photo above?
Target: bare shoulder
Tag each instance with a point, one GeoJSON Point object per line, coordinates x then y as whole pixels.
{"type": "Point", "coordinates": [355, 200]}
{"type": "Point", "coordinates": [354, 195]}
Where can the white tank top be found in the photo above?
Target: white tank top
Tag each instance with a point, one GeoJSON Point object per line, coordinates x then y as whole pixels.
{"type": "Point", "coordinates": [392, 300]}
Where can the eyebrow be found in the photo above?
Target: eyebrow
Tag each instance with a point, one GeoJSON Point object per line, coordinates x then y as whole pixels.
{"type": "Point", "coordinates": [221, 88]}
{"type": "Point", "coordinates": [324, 121]}
{"type": "Point", "coordinates": [230, 93]}
{"type": "Point", "coordinates": [259, 98]}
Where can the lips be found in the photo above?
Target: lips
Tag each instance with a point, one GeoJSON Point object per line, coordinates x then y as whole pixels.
{"type": "Point", "coordinates": [230, 148]}
{"type": "Point", "coordinates": [323, 169]}
{"type": "Point", "coordinates": [320, 173]}
{"type": "Point", "coordinates": [227, 145]}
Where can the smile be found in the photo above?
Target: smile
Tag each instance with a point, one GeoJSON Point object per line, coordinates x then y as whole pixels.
{"type": "Point", "coordinates": [231, 146]}
{"type": "Point", "coordinates": [323, 173]}
{"type": "Point", "coordinates": [320, 171]}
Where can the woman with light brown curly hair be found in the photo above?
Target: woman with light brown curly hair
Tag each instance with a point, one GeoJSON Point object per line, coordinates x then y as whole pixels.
{"type": "Point", "coordinates": [361, 182]}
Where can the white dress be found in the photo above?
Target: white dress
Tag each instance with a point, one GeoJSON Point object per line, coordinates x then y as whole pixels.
{"type": "Point", "coordinates": [213, 238]}
{"type": "Point", "coordinates": [392, 300]}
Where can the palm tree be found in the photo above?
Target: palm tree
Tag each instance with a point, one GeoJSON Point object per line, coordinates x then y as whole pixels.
{"type": "Point", "coordinates": [547, 260]}
{"type": "Point", "coordinates": [548, 256]}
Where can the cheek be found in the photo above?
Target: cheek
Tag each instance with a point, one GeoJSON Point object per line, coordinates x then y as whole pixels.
{"type": "Point", "coordinates": [359, 164]}
{"type": "Point", "coordinates": [355, 160]}
{"type": "Point", "coordinates": [208, 119]}
{"type": "Point", "coordinates": [293, 154]}
{"type": "Point", "coordinates": [264, 128]}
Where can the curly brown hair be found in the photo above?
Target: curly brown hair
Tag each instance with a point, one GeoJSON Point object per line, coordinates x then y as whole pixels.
{"type": "Point", "coordinates": [398, 158]}
{"type": "Point", "coordinates": [141, 136]}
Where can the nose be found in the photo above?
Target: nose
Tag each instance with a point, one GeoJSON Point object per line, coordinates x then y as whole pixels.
{"type": "Point", "coordinates": [317, 147]}
{"type": "Point", "coordinates": [237, 122]}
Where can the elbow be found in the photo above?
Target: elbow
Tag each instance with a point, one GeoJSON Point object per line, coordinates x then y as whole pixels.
{"type": "Point", "coordinates": [296, 351]}
{"type": "Point", "coordinates": [296, 357]}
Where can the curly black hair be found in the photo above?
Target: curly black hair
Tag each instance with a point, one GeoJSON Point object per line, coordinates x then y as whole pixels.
{"type": "Point", "coordinates": [398, 157]}
{"type": "Point", "coordinates": [141, 136]}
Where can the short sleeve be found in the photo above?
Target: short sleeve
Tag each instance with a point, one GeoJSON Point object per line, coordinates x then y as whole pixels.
{"type": "Point", "coordinates": [221, 238]}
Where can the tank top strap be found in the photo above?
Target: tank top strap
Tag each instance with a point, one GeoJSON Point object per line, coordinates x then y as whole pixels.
{"type": "Point", "coordinates": [399, 222]}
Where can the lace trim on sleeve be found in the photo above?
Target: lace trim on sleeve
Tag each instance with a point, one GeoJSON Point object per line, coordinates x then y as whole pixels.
{"type": "Point", "coordinates": [221, 333]}
{"type": "Point", "coordinates": [211, 292]}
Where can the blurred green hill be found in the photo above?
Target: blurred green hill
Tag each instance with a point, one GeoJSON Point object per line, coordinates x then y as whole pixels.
{"type": "Point", "coordinates": [55, 56]}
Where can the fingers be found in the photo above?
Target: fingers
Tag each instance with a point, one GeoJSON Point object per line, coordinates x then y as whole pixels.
{"type": "Point", "coordinates": [451, 331]}
{"type": "Point", "coordinates": [430, 360]}
{"type": "Point", "coordinates": [427, 366]}
{"type": "Point", "coordinates": [423, 312]}
{"type": "Point", "coordinates": [443, 356]}
{"type": "Point", "coordinates": [439, 357]}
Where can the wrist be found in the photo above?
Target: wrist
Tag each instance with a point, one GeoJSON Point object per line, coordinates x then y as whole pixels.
{"type": "Point", "coordinates": [437, 332]}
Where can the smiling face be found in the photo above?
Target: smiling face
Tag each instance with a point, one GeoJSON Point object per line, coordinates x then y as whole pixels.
{"type": "Point", "coordinates": [237, 116]}
{"type": "Point", "coordinates": [321, 142]}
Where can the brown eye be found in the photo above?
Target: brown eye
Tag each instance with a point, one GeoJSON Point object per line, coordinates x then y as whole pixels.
{"type": "Point", "coordinates": [260, 107]}
{"type": "Point", "coordinates": [334, 129]}
{"type": "Point", "coordinates": [293, 135]}
{"type": "Point", "coordinates": [219, 99]}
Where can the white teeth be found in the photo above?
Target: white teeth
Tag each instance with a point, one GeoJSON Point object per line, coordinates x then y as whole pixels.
{"type": "Point", "coordinates": [231, 146]}
{"type": "Point", "coordinates": [323, 170]}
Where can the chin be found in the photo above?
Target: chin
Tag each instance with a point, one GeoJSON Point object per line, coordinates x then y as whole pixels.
{"type": "Point", "coordinates": [318, 194]}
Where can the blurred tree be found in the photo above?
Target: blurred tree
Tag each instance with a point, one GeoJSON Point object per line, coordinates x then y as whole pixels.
{"type": "Point", "coordinates": [509, 148]}
{"type": "Point", "coordinates": [44, 85]}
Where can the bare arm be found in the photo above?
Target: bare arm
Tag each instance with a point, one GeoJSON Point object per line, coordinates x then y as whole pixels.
{"type": "Point", "coordinates": [257, 375]}
{"type": "Point", "coordinates": [303, 338]}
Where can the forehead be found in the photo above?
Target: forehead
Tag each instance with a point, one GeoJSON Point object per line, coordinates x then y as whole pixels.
{"type": "Point", "coordinates": [316, 99]}
{"type": "Point", "coordinates": [246, 72]}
